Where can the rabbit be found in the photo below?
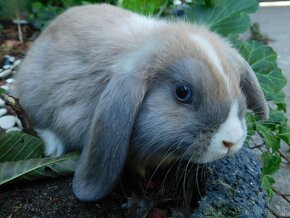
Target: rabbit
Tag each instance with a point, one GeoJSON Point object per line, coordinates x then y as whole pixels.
{"type": "Point", "coordinates": [125, 88]}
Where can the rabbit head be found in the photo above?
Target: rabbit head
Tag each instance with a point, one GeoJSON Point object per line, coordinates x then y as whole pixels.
{"type": "Point", "coordinates": [182, 94]}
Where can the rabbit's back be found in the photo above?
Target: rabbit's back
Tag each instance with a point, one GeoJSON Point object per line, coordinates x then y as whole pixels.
{"type": "Point", "coordinates": [64, 73]}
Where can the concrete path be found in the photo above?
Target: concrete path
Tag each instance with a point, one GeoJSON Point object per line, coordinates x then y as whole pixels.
{"type": "Point", "coordinates": [275, 23]}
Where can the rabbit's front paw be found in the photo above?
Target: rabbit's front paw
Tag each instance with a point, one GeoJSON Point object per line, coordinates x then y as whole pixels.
{"type": "Point", "coordinates": [53, 145]}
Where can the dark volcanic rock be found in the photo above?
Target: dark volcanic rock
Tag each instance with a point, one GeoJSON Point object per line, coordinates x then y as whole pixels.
{"type": "Point", "coordinates": [233, 188]}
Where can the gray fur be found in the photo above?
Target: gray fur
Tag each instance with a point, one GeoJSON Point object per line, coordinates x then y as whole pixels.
{"type": "Point", "coordinates": [112, 124]}
{"type": "Point", "coordinates": [255, 98]}
{"type": "Point", "coordinates": [106, 86]}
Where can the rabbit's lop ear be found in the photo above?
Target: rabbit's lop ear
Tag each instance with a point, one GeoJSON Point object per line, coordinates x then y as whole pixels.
{"type": "Point", "coordinates": [255, 98]}
{"type": "Point", "coordinates": [103, 158]}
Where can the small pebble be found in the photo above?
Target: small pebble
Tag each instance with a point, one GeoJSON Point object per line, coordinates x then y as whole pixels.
{"type": "Point", "coordinates": [5, 67]}
{"type": "Point", "coordinates": [177, 2]}
{"type": "Point", "coordinates": [2, 103]}
{"type": "Point", "coordinates": [11, 59]}
{"type": "Point", "coordinates": [13, 129]}
{"type": "Point", "coordinates": [16, 63]}
{"type": "Point", "coordinates": [18, 122]}
{"type": "Point", "coordinates": [5, 87]}
{"type": "Point", "coordinates": [5, 73]}
{"type": "Point", "coordinates": [3, 111]}
{"type": "Point", "coordinates": [10, 80]}
{"type": "Point", "coordinates": [7, 122]}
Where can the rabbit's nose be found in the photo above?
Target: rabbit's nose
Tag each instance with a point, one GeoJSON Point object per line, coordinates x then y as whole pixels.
{"type": "Point", "coordinates": [228, 144]}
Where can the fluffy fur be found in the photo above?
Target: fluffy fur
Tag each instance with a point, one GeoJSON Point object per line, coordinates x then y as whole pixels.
{"type": "Point", "coordinates": [102, 80]}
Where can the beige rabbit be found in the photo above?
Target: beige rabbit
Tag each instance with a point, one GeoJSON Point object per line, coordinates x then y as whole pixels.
{"type": "Point", "coordinates": [122, 87]}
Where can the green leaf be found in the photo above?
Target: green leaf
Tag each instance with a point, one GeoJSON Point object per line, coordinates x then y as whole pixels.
{"type": "Point", "coordinates": [276, 120]}
{"type": "Point", "coordinates": [223, 16]}
{"type": "Point", "coordinates": [20, 146]}
{"type": "Point", "coordinates": [277, 117]}
{"type": "Point", "coordinates": [271, 163]}
{"type": "Point", "coordinates": [21, 158]}
{"type": "Point", "coordinates": [147, 7]}
{"type": "Point", "coordinates": [37, 6]}
{"type": "Point", "coordinates": [70, 3]}
{"type": "Point", "coordinates": [270, 137]}
{"type": "Point", "coordinates": [263, 60]}
{"type": "Point", "coordinates": [267, 182]}
{"type": "Point", "coordinates": [251, 124]}
{"type": "Point", "coordinates": [10, 8]}
{"type": "Point", "coordinates": [285, 133]}
{"type": "Point", "coordinates": [2, 90]}
{"type": "Point", "coordinates": [38, 168]}
{"type": "Point", "coordinates": [43, 14]}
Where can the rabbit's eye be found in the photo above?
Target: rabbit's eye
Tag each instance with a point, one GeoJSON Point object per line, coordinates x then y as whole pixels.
{"type": "Point", "coordinates": [184, 94]}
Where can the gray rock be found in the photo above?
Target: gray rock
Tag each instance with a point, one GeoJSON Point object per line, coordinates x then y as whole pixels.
{"type": "Point", "coordinates": [3, 111]}
{"type": "Point", "coordinates": [5, 87]}
{"type": "Point", "coordinates": [233, 189]}
{"type": "Point", "coordinates": [281, 207]}
{"type": "Point", "coordinates": [5, 73]}
{"type": "Point", "coordinates": [5, 67]}
{"type": "Point", "coordinates": [18, 122]}
{"type": "Point", "coordinates": [7, 122]}
{"type": "Point", "coordinates": [10, 81]}
{"type": "Point", "coordinates": [282, 178]}
{"type": "Point", "coordinates": [2, 103]}
{"type": "Point", "coordinates": [13, 129]}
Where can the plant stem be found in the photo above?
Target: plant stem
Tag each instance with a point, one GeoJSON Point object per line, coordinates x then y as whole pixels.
{"type": "Point", "coordinates": [120, 3]}
{"type": "Point", "coordinates": [162, 9]}
{"type": "Point", "coordinates": [20, 35]}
